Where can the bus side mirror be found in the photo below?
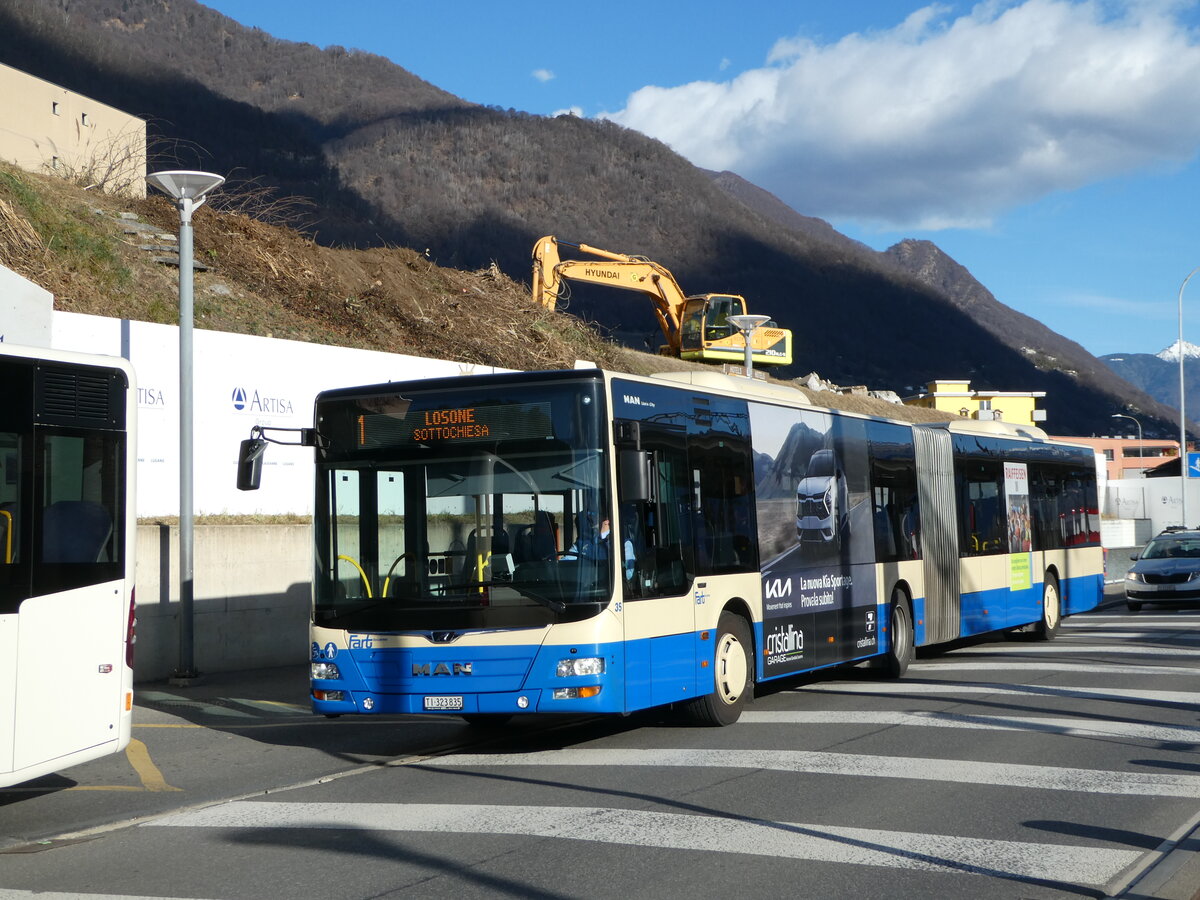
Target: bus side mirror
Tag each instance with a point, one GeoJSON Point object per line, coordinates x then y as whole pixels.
{"type": "Point", "coordinates": [636, 481]}
{"type": "Point", "coordinates": [250, 461]}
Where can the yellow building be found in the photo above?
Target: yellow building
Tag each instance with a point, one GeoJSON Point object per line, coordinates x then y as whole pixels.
{"type": "Point", "coordinates": [46, 128]}
{"type": "Point", "coordinates": [1014, 407]}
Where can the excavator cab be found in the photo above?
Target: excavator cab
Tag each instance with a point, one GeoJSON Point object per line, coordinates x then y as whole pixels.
{"type": "Point", "coordinates": [707, 335]}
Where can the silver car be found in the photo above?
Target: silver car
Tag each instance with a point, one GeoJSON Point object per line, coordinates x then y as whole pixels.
{"type": "Point", "coordinates": [822, 500]}
{"type": "Point", "coordinates": [1167, 570]}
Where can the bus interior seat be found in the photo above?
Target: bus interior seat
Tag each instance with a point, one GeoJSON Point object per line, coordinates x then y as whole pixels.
{"type": "Point", "coordinates": [500, 545]}
{"type": "Point", "coordinates": [535, 541]}
{"type": "Point", "coordinates": [75, 531]}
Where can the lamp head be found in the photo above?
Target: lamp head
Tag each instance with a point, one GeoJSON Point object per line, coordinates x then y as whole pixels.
{"type": "Point", "coordinates": [185, 185]}
{"type": "Point", "coordinates": [748, 322]}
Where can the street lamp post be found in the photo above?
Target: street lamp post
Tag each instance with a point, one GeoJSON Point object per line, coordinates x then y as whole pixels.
{"type": "Point", "coordinates": [188, 190]}
{"type": "Point", "coordinates": [1121, 471]}
{"type": "Point", "coordinates": [746, 325]}
{"type": "Point", "coordinates": [1183, 411]}
{"type": "Point", "coordinates": [1135, 422]}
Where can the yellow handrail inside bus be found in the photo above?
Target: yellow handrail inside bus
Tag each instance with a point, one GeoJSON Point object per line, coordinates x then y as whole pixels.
{"type": "Point", "coordinates": [388, 580]}
{"type": "Point", "coordinates": [7, 535]}
{"type": "Point", "coordinates": [361, 573]}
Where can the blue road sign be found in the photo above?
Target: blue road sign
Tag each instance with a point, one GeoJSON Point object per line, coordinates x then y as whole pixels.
{"type": "Point", "coordinates": [1193, 465]}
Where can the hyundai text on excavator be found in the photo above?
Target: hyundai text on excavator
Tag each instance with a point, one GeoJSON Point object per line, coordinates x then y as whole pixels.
{"type": "Point", "coordinates": [696, 328]}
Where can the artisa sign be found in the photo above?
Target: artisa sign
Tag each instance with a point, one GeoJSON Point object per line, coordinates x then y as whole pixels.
{"type": "Point", "coordinates": [260, 404]}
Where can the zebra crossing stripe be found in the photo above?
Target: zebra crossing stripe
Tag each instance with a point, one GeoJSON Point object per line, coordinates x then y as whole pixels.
{"type": "Point", "coordinates": [1130, 622]}
{"type": "Point", "coordinates": [1042, 690]}
{"type": "Point", "coordinates": [1067, 726]}
{"type": "Point", "coordinates": [675, 831]}
{"type": "Point", "coordinates": [1070, 647]}
{"type": "Point", "coordinates": [1181, 635]}
{"type": "Point", "coordinates": [1051, 778]}
{"type": "Point", "coordinates": [933, 666]}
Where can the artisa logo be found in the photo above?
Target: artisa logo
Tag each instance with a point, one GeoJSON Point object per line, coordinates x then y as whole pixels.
{"type": "Point", "coordinates": [260, 403]}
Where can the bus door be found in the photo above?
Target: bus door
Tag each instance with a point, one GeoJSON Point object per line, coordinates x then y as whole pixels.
{"type": "Point", "coordinates": [655, 515]}
{"type": "Point", "coordinates": [939, 534]}
{"type": "Point", "coordinates": [984, 537]}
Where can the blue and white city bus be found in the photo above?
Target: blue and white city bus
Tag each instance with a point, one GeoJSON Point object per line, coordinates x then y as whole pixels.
{"type": "Point", "coordinates": [67, 520]}
{"type": "Point", "coordinates": [462, 564]}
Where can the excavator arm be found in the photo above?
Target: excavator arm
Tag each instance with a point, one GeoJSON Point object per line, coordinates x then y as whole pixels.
{"type": "Point", "coordinates": [615, 270]}
{"type": "Point", "coordinates": [694, 327]}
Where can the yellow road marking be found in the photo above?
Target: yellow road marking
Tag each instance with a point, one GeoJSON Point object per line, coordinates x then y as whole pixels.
{"type": "Point", "coordinates": [147, 771]}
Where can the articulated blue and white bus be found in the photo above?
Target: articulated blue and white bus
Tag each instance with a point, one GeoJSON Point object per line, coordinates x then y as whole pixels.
{"type": "Point", "coordinates": [589, 542]}
{"type": "Point", "coordinates": [67, 520]}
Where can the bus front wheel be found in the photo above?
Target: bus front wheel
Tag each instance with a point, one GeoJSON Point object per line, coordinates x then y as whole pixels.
{"type": "Point", "coordinates": [1047, 627]}
{"type": "Point", "coordinates": [900, 637]}
{"type": "Point", "coordinates": [733, 676]}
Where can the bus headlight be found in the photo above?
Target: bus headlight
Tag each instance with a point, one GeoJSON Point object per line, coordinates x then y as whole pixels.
{"type": "Point", "coordinates": [325, 671]}
{"type": "Point", "coordinates": [586, 665]}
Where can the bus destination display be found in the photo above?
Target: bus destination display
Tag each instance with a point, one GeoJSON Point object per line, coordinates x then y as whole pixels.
{"type": "Point", "coordinates": [462, 424]}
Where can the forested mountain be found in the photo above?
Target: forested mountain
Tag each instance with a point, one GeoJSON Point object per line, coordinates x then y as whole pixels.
{"type": "Point", "coordinates": [1158, 374]}
{"type": "Point", "coordinates": [392, 160]}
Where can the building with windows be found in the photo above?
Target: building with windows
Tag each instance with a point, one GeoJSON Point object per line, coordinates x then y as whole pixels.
{"type": "Point", "coordinates": [947, 395]}
{"type": "Point", "coordinates": [46, 128]}
{"type": "Point", "coordinates": [1129, 457]}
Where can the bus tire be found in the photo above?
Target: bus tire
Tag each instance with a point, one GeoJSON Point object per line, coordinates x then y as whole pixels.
{"type": "Point", "coordinates": [1047, 627]}
{"type": "Point", "coordinates": [900, 650]}
{"type": "Point", "coordinates": [733, 675]}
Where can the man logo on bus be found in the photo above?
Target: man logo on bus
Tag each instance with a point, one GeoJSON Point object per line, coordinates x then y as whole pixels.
{"type": "Point", "coordinates": [239, 398]}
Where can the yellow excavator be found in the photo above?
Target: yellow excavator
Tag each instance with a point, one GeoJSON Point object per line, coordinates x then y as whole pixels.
{"type": "Point", "coordinates": [696, 328]}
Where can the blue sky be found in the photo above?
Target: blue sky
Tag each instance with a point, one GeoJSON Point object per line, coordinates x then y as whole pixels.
{"type": "Point", "coordinates": [1050, 146]}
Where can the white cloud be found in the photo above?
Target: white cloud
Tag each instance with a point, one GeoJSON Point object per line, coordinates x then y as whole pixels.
{"type": "Point", "coordinates": [542, 75]}
{"type": "Point", "coordinates": [945, 121]}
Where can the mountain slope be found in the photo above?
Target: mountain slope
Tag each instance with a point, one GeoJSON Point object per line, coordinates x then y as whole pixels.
{"type": "Point", "coordinates": [391, 160]}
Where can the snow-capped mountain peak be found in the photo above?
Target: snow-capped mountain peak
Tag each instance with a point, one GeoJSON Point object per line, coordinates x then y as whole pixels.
{"type": "Point", "coordinates": [1171, 354]}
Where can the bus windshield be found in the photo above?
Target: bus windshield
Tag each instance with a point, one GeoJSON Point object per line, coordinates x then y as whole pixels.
{"type": "Point", "coordinates": [446, 509]}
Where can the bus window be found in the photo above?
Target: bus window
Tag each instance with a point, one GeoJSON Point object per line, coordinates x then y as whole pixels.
{"type": "Point", "coordinates": [894, 493]}
{"type": "Point", "coordinates": [10, 496]}
{"type": "Point", "coordinates": [981, 508]}
{"type": "Point", "coordinates": [725, 533]}
{"type": "Point", "coordinates": [81, 511]}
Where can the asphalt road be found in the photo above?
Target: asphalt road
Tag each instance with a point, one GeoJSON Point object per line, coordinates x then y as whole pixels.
{"type": "Point", "coordinates": [999, 769]}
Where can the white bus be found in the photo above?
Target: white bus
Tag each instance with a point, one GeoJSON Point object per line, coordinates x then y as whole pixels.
{"type": "Point", "coordinates": [462, 563]}
{"type": "Point", "coordinates": [67, 525]}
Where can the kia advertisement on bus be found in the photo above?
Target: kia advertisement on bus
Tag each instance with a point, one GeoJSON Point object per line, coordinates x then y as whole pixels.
{"type": "Point", "coordinates": [814, 516]}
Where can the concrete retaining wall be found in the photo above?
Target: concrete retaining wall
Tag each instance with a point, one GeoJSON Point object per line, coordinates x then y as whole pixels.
{"type": "Point", "coordinates": [251, 598]}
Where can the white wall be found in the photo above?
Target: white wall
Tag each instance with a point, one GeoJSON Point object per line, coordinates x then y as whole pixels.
{"type": "Point", "coordinates": [238, 381]}
{"type": "Point", "coordinates": [1156, 499]}
{"type": "Point", "coordinates": [24, 310]}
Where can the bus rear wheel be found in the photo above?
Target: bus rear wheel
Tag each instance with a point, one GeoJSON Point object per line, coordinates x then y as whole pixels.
{"type": "Point", "coordinates": [900, 637]}
{"type": "Point", "coordinates": [1047, 627]}
{"type": "Point", "coordinates": [733, 675]}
